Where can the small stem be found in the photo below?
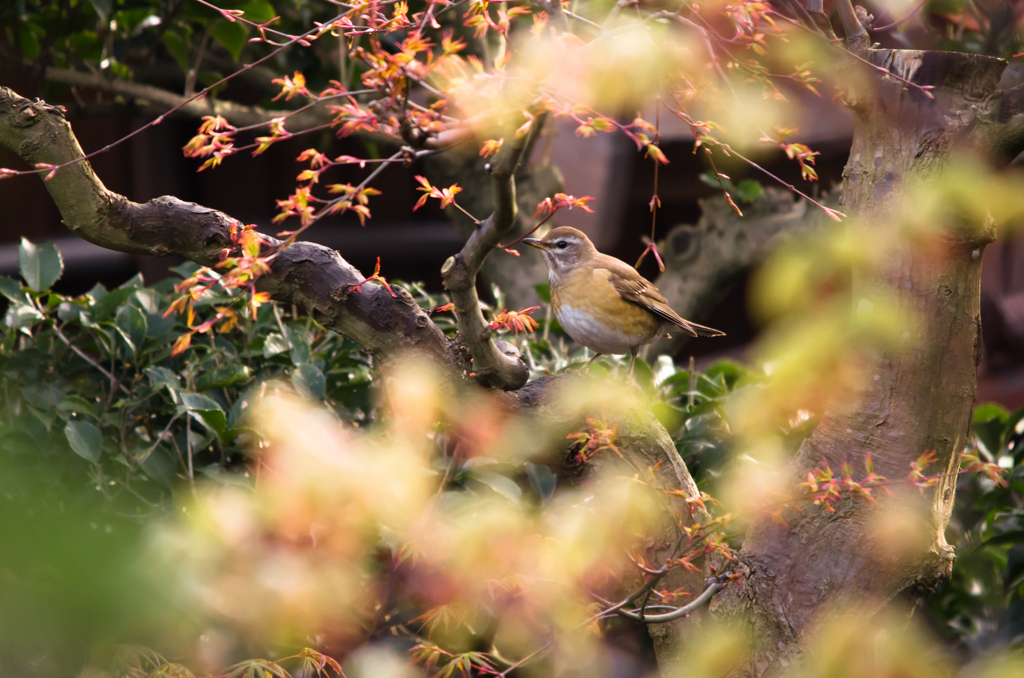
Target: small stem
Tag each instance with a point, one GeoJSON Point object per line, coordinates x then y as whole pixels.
{"type": "Point", "coordinates": [190, 79]}
{"type": "Point", "coordinates": [84, 356]}
{"type": "Point", "coordinates": [900, 22]}
{"type": "Point", "coordinates": [463, 210]}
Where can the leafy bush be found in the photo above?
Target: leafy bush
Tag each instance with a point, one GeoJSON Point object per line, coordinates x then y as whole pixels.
{"type": "Point", "coordinates": [93, 378]}
{"type": "Point", "coordinates": [92, 381]}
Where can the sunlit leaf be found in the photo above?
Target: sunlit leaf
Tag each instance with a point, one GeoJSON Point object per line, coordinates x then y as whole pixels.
{"type": "Point", "coordinates": [85, 439]}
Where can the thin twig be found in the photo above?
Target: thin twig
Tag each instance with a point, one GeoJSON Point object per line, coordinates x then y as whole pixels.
{"type": "Point", "coordinates": [924, 89]}
{"type": "Point", "coordinates": [713, 587]}
{"type": "Point", "coordinates": [190, 79]}
{"type": "Point", "coordinates": [84, 356]}
{"type": "Point", "coordinates": [900, 22]}
{"type": "Point", "coordinates": [159, 119]}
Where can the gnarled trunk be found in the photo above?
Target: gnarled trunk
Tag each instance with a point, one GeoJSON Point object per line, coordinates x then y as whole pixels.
{"type": "Point", "coordinates": [918, 397]}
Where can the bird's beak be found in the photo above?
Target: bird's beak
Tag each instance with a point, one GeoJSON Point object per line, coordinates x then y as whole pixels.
{"type": "Point", "coordinates": [539, 244]}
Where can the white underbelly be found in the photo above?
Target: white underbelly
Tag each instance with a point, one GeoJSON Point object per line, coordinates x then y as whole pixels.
{"type": "Point", "coordinates": [595, 335]}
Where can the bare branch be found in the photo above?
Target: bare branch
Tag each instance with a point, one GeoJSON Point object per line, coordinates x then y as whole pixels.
{"type": "Point", "coordinates": [311, 276]}
{"type": "Point", "coordinates": [498, 367]}
{"type": "Point", "coordinates": [714, 586]}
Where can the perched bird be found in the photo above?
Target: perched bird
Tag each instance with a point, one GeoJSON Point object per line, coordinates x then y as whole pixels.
{"type": "Point", "coordinates": [602, 302]}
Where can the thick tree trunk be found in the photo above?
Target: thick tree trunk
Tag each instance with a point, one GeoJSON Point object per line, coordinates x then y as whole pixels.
{"type": "Point", "coordinates": [917, 398]}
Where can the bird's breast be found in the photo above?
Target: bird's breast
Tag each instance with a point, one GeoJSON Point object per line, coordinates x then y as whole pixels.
{"type": "Point", "coordinates": [591, 311]}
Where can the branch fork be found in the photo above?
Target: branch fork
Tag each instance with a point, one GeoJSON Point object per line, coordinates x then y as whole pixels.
{"type": "Point", "coordinates": [495, 364]}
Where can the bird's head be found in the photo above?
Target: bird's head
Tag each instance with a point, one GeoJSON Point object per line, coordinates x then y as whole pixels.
{"type": "Point", "coordinates": [563, 247]}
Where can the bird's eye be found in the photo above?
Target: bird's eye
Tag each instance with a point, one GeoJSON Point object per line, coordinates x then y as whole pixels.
{"type": "Point", "coordinates": [561, 244]}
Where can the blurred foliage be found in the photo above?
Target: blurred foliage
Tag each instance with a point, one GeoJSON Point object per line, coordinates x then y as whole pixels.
{"type": "Point", "coordinates": [105, 434]}
{"type": "Point", "coordinates": [390, 518]}
{"type": "Point", "coordinates": [96, 465]}
{"type": "Point", "coordinates": [90, 382]}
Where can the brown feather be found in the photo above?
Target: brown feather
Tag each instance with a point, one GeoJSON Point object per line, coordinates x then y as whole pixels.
{"type": "Point", "coordinates": [634, 288]}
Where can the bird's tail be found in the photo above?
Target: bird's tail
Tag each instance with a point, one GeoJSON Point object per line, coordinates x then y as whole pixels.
{"type": "Point", "coordinates": [701, 331]}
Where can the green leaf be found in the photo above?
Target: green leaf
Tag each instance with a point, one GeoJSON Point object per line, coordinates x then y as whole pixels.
{"type": "Point", "coordinates": [542, 479]}
{"type": "Point", "coordinates": [749, 190]}
{"type": "Point", "coordinates": [670, 417]}
{"type": "Point", "coordinates": [207, 408]}
{"type": "Point", "coordinates": [78, 405]}
{"type": "Point", "coordinates": [161, 376]}
{"type": "Point", "coordinates": [274, 344]}
{"type": "Point", "coordinates": [729, 370]}
{"type": "Point", "coordinates": [309, 381]}
{"type": "Point", "coordinates": [223, 377]}
{"type": "Point", "coordinates": [499, 484]}
{"type": "Point", "coordinates": [177, 48]}
{"type": "Point", "coordinates": [97, 292]}
{"type": "Point", "coordinates": [215, 472]}
{"type": "Point", "coordinates": [988, 412]}
{"type": "Point", "coordinates": [238, 409]}
{"type": "Point", "coordinates": [102, 8]}
{"type": "Point", "coordinates": [643, 375]}
{"type": "Point", "coordinates": [87, 45]}
{"type": "Point", "coordinates": [29, 42]}
{"type": "Point", "coordinates": [160, 465]}
{"type": "Point", "coordinates": [110, 303]}
{"type": "Point", "coordinates": [989, 423]}
{"type": "Point", "coordinates": [85, 440]}
{"type": "Point", "coordinates": [299, 346]}
{"type": "Point", "coordinates": [132, 321]}
{"type": "Point", "coordinates": [259, 11]}
{"type": "Point", "coordinates": [40, 265]}
{"type": "Point", "coordinates": [23, 316]}
{"type": "Point", "coordinates": [11, 288]}
{"type": "Point", "coordinates": [231, 35]}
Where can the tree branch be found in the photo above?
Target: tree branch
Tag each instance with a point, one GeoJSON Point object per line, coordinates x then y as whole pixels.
{"type": "Point", "coordinates": [499, 367]}
{"type": "Point", "coordinates": [713, 587]}
{"type": "Point", "coordinates": [855, 33]}
{"type": "Point", "coordinates": [311, 276]}
{"type": "Point", "coordinates": [148, 96]}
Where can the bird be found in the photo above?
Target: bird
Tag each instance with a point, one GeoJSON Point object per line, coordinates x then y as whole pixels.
{"type": "Point", "coordinates": [602, 302]}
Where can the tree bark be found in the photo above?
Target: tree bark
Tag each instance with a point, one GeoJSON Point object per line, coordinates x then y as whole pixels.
{"type": "Point", "coordinates": [312, 276]}
{"type": "Point", "coordinates": [919, 397]}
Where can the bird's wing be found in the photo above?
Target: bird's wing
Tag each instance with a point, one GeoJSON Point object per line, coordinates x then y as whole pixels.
{"type": "Point", "coordinates": [634, 288]}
